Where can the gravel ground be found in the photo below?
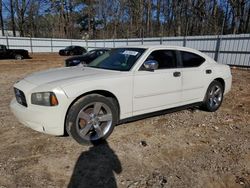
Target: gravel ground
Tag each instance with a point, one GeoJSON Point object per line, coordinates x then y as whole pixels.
{"type": "Point", "coordinates": [188, 148]}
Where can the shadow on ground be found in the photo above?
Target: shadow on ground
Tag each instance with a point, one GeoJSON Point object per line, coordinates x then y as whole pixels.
{"type": "Point", "coordinates": [96, 168]}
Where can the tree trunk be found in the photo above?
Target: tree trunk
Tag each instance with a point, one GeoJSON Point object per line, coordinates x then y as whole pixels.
{"type": "Point", "coordinates": [225, 19]}
{"type": "Point", "coordinates": [214, 18]}
{"type": "Point", "coordinates": [178, 12]}
{"type": "Point", "coordinates": [20, 14]}
{"type": "Point", "coordinates": [12, 18]}
{"type": "Point", "coordinates": [1, 17]}
{"type": "Point", "coordinates": [148, 17]}
{"type": "Point", "coordinates": [158, 12]}
{"type": "Point", "coordinates": [89, 21]}
{"type": "Point", "coordinates": [247, 21]}
{"type": "Point", "coordinates": [241, 15]}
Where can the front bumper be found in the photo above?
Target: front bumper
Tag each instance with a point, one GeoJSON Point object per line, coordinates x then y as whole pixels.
{"type": "Point", "coordinates": [41, 120]}
{"type": "Point", "coordinates": [44, 119]}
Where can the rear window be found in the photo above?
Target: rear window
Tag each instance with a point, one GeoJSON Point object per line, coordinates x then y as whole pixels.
{"type": "Point", "coordinates": [191, 60]}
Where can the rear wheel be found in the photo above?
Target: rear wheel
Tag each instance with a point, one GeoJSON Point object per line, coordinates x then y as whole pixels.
{"type": "Point", "coordinates": [92, 119]}
{"type": "Point", "coordinates": [214, 97]}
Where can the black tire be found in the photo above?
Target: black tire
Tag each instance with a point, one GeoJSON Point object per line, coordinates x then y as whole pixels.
{"type": "Point", "coordinates": [71, 53]}
{"type": "Point", "coordinates": [18, 57]}
{"type": "Point", "coordinates": [212, 100]}
{"type": "Point", "coordinates": [73, 125]}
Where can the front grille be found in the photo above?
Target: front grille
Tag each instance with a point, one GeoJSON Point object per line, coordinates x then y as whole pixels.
{"type": "Point", "coordinates": [20, 97]}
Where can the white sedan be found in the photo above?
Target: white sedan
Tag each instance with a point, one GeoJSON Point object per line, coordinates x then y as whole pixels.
{"type": "Point", "coordinates": [123, 84]}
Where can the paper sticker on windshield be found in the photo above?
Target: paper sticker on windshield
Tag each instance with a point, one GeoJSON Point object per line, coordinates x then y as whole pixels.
{"type": "Point", "coordinates": [127, 52]}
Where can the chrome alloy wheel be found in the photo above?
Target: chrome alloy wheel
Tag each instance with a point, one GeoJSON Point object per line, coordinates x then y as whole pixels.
{"type": "Point", "coordinates": [94, 121]}
{"type": "Point", "coordinates": [215, 96]}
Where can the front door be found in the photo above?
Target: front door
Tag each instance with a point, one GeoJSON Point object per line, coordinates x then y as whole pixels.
{"type": "Point", "coordinates": [159, 89]}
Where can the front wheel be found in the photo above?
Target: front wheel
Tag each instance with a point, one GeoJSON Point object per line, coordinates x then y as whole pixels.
{"type": "Point", "coordinates": [92, 119]}
{"type": "Point", "coordinates": [214, 97]}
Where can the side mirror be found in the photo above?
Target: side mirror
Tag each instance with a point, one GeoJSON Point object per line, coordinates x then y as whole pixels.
{"type": "Point", "coordinates": [150, 65]}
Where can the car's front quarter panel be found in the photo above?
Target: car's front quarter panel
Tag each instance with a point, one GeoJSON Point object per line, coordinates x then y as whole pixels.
{"type": "Point", "coordinates": [120, 86]}
{"type": "Point", "coordinates": [47, 119]}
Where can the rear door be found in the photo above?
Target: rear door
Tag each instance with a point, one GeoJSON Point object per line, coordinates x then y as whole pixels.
{"type": "Point", "coordinates": [193, 75]}
{"type": "Point", "coordinates": [159, 89]}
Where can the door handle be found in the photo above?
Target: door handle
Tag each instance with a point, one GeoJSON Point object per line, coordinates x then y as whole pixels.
{"type": "Point", "coordinates": [177, 74]}
{"type": "Point", "coordinates": [208, 71]}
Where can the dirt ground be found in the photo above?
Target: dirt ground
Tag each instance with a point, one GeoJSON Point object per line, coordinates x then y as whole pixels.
{"type": "Point", "coordinates": [189, 148]}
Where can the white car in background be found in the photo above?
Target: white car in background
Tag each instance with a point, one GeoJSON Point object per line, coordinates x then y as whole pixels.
{"type": "Point", "coordinates": [123, 84]}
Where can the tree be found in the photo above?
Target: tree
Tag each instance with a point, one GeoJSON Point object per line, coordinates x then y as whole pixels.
{"type": "Point", "coordinates": [126, 18]}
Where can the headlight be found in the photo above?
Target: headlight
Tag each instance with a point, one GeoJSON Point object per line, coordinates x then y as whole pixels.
{"type": "Point", "coordinates": [44, 99]}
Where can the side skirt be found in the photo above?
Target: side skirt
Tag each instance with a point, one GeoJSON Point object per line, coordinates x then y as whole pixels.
{"type": "Point", "coordinates": [161, 112]}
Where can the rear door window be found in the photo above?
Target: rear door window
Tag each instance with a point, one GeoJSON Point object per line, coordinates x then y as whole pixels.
{"type": "Point", "coordinates": [190, 59]}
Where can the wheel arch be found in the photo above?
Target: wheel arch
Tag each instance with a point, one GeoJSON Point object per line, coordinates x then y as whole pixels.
{"type": "Point", "coordinates": [222, 81]}
{"type": "Point", "coordinates": [218, 79]}
{"type": "Point", "coordinates": [104, 93]}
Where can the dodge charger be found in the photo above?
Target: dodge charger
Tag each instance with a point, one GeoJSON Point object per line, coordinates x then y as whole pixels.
{"type": "Point", "coordinates": [122, 85]}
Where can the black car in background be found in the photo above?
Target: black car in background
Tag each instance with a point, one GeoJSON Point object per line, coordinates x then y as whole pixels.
{"type": "Point", "coordinates": [72, 50]}
{"type": "Point", "coordinates": [85, 58]}
{"type": "Point", "coordinates": [13, 53]}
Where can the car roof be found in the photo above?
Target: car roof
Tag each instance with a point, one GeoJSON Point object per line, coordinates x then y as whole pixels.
{"type": "Point", "coordinates": [73, 46]}
{"type": "Point", "coordinates": [162, 47]}
{"type": "Point", "coordinates": [100, 49]}
{"type": "Point", "coordinates": [157, 47]}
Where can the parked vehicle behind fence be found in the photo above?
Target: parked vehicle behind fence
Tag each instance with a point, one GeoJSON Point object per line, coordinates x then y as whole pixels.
{"type": "Point", "coordinates": [72, 50]}
{"type": "Point", "coordinates": [85, 58]}
{"type": "Point", "coordinates": [13, 53]}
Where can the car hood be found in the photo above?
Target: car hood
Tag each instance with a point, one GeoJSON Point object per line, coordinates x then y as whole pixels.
{"type": "Point", "coordinates": [67, 75]}
{"type": "Point", "coordinates": [18, 50]}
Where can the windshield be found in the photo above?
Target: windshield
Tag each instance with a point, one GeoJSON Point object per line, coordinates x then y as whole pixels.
{"type": "Point", "coordinates": [120, 59]}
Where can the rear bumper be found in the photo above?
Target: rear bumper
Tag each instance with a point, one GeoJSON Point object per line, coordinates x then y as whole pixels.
{"type": "Point", "coordinates": [28, 57]}
{"type": "Point", "coordinates": [228, 84]}
{"type": "Point", "coordinates": [45, 121]}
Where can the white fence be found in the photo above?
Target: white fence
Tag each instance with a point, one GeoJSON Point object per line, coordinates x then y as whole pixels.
{"type": "Point", "coordinates": [226, 49]}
